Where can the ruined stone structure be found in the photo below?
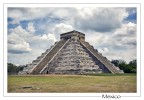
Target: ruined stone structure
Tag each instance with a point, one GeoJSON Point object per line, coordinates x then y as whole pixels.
{"type": "Point", "coordinates": [71, 55]}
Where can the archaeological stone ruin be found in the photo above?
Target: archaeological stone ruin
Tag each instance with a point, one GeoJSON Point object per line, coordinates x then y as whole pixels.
{"type": "Point", "coordinates": [71, 55]}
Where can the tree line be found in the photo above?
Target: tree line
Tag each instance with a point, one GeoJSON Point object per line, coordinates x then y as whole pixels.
{"type": "Point", "coordinates": [13, 69]}
{"type": "Point", "coordinates": [131, 67]}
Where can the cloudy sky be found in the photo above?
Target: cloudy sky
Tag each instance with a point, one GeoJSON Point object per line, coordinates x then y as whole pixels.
{"type": "Point", "coordinates": [33, 30]}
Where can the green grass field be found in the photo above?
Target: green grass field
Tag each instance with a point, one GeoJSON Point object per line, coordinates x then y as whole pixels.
{"type": "Point", "coordinates": [117, 83]}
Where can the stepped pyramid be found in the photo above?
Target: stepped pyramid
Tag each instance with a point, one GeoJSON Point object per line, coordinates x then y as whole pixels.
{"type": "Point", "coordinates": [71, 55]}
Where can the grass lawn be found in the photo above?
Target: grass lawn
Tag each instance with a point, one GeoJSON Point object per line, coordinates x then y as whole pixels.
{"type": "Point", "coordinates": [118, 83]}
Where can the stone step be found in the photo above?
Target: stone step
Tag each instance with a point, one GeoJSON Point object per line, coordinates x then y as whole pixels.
{"type": "Point", "coordinates": [48, 57]}
{"type": "Point", "coordinates": [71, 57]}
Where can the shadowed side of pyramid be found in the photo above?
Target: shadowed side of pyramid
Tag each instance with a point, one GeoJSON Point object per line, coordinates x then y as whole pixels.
{"type": "Point", "coordinates": [107, 64]}
{"type": "Point", "coordinates": [71, 55]}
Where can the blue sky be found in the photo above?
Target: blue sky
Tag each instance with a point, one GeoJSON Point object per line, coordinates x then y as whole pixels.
{"type": "Point", "coordinates": [33, 30]}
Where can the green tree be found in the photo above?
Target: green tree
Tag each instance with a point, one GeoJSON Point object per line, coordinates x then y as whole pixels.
{"type": "Point", "coordinates": [115, 62]}
{"type": "Point", "coordinates": [133, 65]}
{"type": "Point", "coordinates": [13, 69]}
{"type": "Point", "coordinates": [127, 68]}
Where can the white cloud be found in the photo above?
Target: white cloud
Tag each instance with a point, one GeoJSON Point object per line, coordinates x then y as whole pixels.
{"type": "Point", "coordinates": [128, 29]}
{"type": "Point", "coordinates": [127, 55]}
{"type": "Point", "coordinates": [126, 35]}
{"type": "Point", "coordinates": [64, 12]}
{"type": "Point", "coordinates": [103, 27]}
{"type": "Point", "coordinates": [19, 14]}
{"type": "Point", "coordinates": [22, 41]}
{"type": "Point", "coordinates": [97, 38]}
{"type": "Point", "coordinates": [22, 47]}
{"type": "Point", "coordinates": [57, 29]}
{"type": "Point", "coordinates": [30, 28]}
{"type": "Point", "coordinates": [120, 44]}
{"type": "Point", "coordinates": [15, 14]}
{"type": "Point", "coordinates": [17, 44]}
{"type": "Point", "coordinates": [100, 19]}
{"type": "Point", "coordinates": [88, 18]}
{"type": "Point", "coordinates": [20, 32]}
{"type": "Point", "coordinates": [103, 50]}
{"type": "Point", "coordinates": [62, 28]}
{"type": "Point", "coordinates": [48, 37]}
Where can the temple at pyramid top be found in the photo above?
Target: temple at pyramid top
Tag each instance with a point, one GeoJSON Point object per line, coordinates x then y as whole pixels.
{"type": "Point", "coordinates": [72, 35]}
{"type": "Point", "coordinates": [71, 55]}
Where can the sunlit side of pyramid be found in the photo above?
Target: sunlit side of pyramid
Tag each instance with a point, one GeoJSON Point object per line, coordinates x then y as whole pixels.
{"type": "Point", "coordinates": [71, 55]}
